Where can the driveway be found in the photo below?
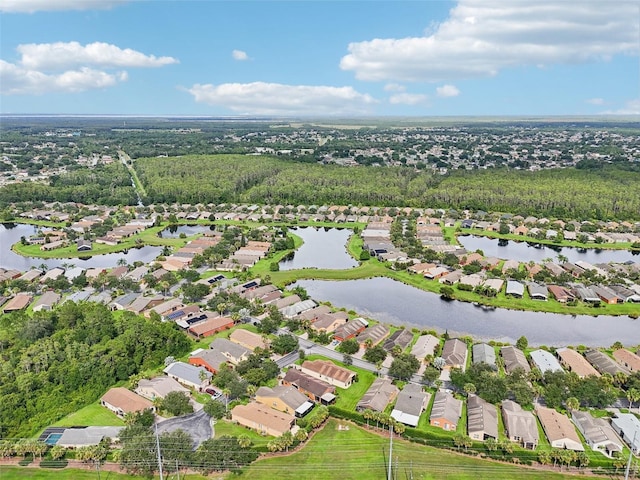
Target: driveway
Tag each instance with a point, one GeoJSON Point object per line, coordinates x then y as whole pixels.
{"type": "Point", "coordinates": [195, 424]}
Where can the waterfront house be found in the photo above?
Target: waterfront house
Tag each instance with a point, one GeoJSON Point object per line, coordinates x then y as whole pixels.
{"type": "Point", "coordinates": [514, 358]}
{"type": "Point", "coordinates": [545, 361]}
{"type": "Point", "coordinates": [576, 363]}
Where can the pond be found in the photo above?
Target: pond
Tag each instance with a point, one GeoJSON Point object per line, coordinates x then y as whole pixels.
{"type": "Point", "coordinates": [396, 303]}
{"type": "Point", "coordinates": [11, 233]}
{"type": "Point", "coordinates": [174, 231]}
{"type": "Point", "coordinates": [322, 248]}
{"type": "Point", "coordinates": [524, 252]}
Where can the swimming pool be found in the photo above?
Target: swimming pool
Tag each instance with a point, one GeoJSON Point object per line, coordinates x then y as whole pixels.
{"type": "Point", "coordinates": [53, 438]}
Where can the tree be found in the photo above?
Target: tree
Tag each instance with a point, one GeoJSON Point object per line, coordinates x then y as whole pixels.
{"type": "Point", "coordinates": [522, 343]}
{"type": "Point", "coordinates": [572, 403]}
{"type": "Point", "coordinates": [283, 344]}
{"type": "Point", "coordinates": [469, 388]}
{"type": "Point", "coordinates": [491, 444]}
{"type": "Point", "coordinates": [364, 255]}
{"type": "Point", "coordinates": [447, 292]}
{"type": "Point", "coordinates": [404, 366]}
{"type": "Point", "coordinates": [347, 360]}
{"type": "Point", "coordinates": [214, 409]}
{"type": "Point", "coordinates": [439, 363]}
{"type": "Point", "coordinates": [633, 395]}
{"type": "Point", "coordinates": [57, 452]}
{"type": "Point", "coordinates": [177, 403]}
{"type": "Point", "coordinates": [430, 375]}
{"type": "Point", "coordinates": [349, 346]}
{"type": "Point", "coordinates": [375, 354]}
{"type": "Point", "coordinates": [224, 453]}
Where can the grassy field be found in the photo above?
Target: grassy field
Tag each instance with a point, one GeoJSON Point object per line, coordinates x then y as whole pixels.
{"type": "Point", "coordinates": [23, 473]}
{"type": "Point", "coordinates": [356, 454]}
{"type": "Point", "coordinates": [93, 415]}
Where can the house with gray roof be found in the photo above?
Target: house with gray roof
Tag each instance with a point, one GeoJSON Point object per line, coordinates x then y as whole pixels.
{"type": "Point", "coordinates": [411, 402]}
{"type": "Point", "coordinates": [380, 394]}
{"type": "Point", "coordinates": [80, 295]}
{"type": "Point", "coordinates": [598, 433]}
{"type": "Point", "coordinates": [514, 358]}
{"type": "Point", "coordinates": [234, 352]}
{"type": "Point", "coordinates": [520, 425]}
{"type": "Point", "coordinates": [446, 411]}
{"type": "Point", "coordinates": [514, 288]}
{"type": "Point", "coordinates": [625, 294]}
{"type": "Point", "coordinates": [455, 353]}
{"type": "Point", "coordinates": [47, 301]}
{"type": "Point", "coordinates": [425, 345]}
{"type": "Point", "coordinates": [159, 387]}
{"type": "Point", "coordinates": [627, 426]}
{"type": "Point", "coordinates": [87, 436]}
{"type": "Point", "coordinates": [297, 308]}
{"type": "Point", "coordinates": [586, 294]}
{"type": "Point", "coordinates": [482, 419]}
{"type": "Point", "coordinates": [604, 363]}
{"type": "Point", "coordinates": [545, 361]}
{"type": "Point", "coordinates": [285, 399]}
{"type": "Point", "coordinates": [484, 353]}
{"type": "Point", "coordinates": [537, 291]}
{"type": "Point", "coordinates": [123, 301]}
{"type": "Point", "coordinates": [188, 375]}
{"type": "Point", "coordinates": [401, 338]}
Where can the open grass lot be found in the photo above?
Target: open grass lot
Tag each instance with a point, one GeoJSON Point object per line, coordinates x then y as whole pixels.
{"type": "Point", "coordinates": [91, 415]}
{"type": "Point", "coordinates": [23, 473]}
{"type": "Point", "coordinates": [356, 454]}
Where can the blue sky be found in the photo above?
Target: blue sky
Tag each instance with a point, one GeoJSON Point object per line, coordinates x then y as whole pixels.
{"type": "Point", "coordinates": [320, 58]}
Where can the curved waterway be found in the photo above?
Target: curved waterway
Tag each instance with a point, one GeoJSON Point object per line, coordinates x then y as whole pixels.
{"type": "Point", "coordinates": [399, 304]}
{"type": "Point", "coordinates": [322, 248]}
{"type": "Point", "coordinates": [525, 252]}
{"type": "Point", "coordinates": [11, 233]}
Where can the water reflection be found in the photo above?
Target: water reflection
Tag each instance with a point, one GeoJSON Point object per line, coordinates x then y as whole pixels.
{"type": "Point", "coordinates": [394, 302]}
{"type": "Point", "coordinates": [322, 248]}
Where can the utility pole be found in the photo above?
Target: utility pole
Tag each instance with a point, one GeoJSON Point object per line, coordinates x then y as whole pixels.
{"type": "Point", "coordinates": [631, 447]}
{"type": "Point", "coordinates": [158, 451]}
{"type": "Point", "coordinates": [390, 451]}
{"type": "Point", "coordinates": [177, 470]}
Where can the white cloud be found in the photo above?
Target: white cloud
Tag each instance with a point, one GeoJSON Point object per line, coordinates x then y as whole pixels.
{"type": "Point", "coordinates": [596, 101]}
{"type": "Point", "coordinates": [61, 55]}
{"type": "Point", "coordinates": [632, 107]}
{"type": "Point", "coordinates": [15, 80]}
{"type": "Point", "coordinates": [239, 55]}
{"type": "Point", "coordinates": [482, 37]}
{"type": "Point", "coordinates": [71, 67]}
{"type": "Point", "coordinates": [394, 87]}
{"type": "Point", "coordinates": [408, 99]}
{"type": "Point", "coordinates": [32, 6]}
{"type": "Point", "coordinates": [447, 91]}
{"type": "Point", "coordinates": [260, 98]}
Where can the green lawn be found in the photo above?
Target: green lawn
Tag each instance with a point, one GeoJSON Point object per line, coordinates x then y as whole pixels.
{"type": "Point", "coordinates": [23, 473]}
{"type": "Point", "coordinates": [355, 454]}
{"type": "Point", "coordinates": [91, 415]}
{"type": "Point", "coordinates": [225, 427]}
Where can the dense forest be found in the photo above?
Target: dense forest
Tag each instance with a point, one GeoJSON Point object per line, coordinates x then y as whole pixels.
{"type": "Point", "coordinates": [103, 185]}
{"type": "Point", "coordinates": [608, 192]}
{"type": "Point", "coordinates": [55, 362]}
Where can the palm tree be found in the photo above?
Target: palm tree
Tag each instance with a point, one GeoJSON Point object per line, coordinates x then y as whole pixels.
{"type": "Point", "coordinates": [572, 403]}
{"type": "Point", "coordinates": [244, 441]}
{"type": "Point", "coordinates": [633, 395]}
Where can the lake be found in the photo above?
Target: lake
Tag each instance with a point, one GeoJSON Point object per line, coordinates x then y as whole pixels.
{"type": "Point", "coordinates": [174, 231]}
{"type": "Point", "coordinates": [322, 248]}
{"type": "Point", "coordinates": [11, 233]}
{"type": "Point", "coordinates": [396, 303]}
{"type": "Point", "coordinates": [523, 252]}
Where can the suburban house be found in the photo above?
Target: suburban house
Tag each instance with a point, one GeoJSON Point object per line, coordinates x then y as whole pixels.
{"type": "Point", "coordinates": [248, 339]}
{"type": "Point", "coordinates": [350, 329]}
{"type": "Point", "coordinates": [375, 334]}
{"type": "Point", "coordinates": [264, 420]}
{"type": "Point", "coordinates": [210, 326]}
{"type": "Point", "coordinates": [232, 351]}
{"type": "Point", "coordinates": [627, 359]}
{"type": "Point", "coordinates": [87, 436]}
{"type": "Point", "coordinates": [380, 394]}
{"type": "Point", "coordinates": [560, 293]}
{"type": "Point", "coordinates": [598, 433]}
{"type": "Point", "coordinates": [455, 353]}
{"type": "Point", "coordinates": [47, 301]}
{"type": "Point", "coordinates": [545, 361]}
{"type": "Point", "coordinates": [284, 399]}
{"type": "Point", "coordinates": [537, 291]}
{"type": "Point", "coordinates": [212, 360]}
{"type": "Point", "coordinates": [627, 426]}
{"type": "Point", "coordinates": [559, 430]}
{"type": "Point", "coordinates": [446, 411]}
{"type": "Point", "coordinates": [425, 345]}
{"type": "Point", "coordinates": [604, 363]}
{"type": "Point", "coordinates": [482, 419]}
{"type": "Point", "coordinates": [606, 294]}
{"type": "Point", "coordinates": [514, 358]}
{"type": "Point", "coordinates": [520, 425]}
{"type": "Point", "coordinates": [297, 308]}
{"type": "Point", "coordinates": [188, 375]}
{"type": "Point", "coordinates": [328, 371]}
{"type": "Point", "coordinates": [514, 288]}
{"type": "Point", "coordinates": [330, 322]}
{"type": "Point", "coordinates": [121, 401]}
{"type": "Point", "coordinates": [123, 301]}
{"type": "Point", "coordinates": [574, 362]}
{"type": "Point", "coordinates": [159, 387]}
{"type": "Point", "coordinates": [484, 353]}
{"type": "Point", "coordinates": [400, 338]}
{"type": "Point", "coordinates": [19, 302]}
{"type": "Point", "coordinates": [317, 390]}
{"type": "Point", "coordinates": [313, 314]}
{"type": "Point", "coordinates": [411, 402]}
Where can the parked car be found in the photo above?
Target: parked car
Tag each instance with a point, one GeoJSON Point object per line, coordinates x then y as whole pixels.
{"type": "Point", "coordinates": [213, 392]}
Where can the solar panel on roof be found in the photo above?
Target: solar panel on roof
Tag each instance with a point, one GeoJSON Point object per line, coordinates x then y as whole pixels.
{"type": "Point", "coordinates": [174, 315]}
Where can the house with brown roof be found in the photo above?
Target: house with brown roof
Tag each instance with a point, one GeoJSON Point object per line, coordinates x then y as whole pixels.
{"type": "Point", "coordinates": [380, 394]}
{"type": "Point", "coordinates": [159, 387]}
{"type": "Point", "coordinates": [262, 419]}
{"type": "Point", "coordinates": [313, 314]}
{"type": "Point", "coordinates": [329, 322]}
{"type": "Point", "coordinates": [513, 359]}
{"type": "Point", "coordinates": [47, 301]}
{"type": "Point", "coordinates": [520, 425]}
{"type": "Point", "coordinates": [455, 353]}
{"type": "Point", "coordinates": [211, 326]}
{"type": "Point", "coordinates": [559, 430]}
{"type": "Point", "coordinates": [446, 411]}
{"type": "Point", "coordinates": [375, 333]}
{"type": "Point", "coordinates": [627, 359]}
{"type": "Point", "coordinates": [232, 351]}
{"type": "Point", "coordinates": [328, 371]}
{"type": "Point", "coordinates": [560, 293]}
{"type": "Point", "coordinates": [285, 399]}
{"type": "Point", "coordinates": [317, 390]}
{"type": "Point", "coordinates": [248, 339]}
{"type": "Point", "coordinates": [572, 361]}
{"type": "Point", "coordinates": [211, 360]}
{"type": "Point", "coordinates": [19, 302]}
{"type": "Point", "coordinates": [121, 401]}
{"type": "Point", "coordinates": [482, 419]}
{"type": "Point", "coordinates": [349, 329]}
